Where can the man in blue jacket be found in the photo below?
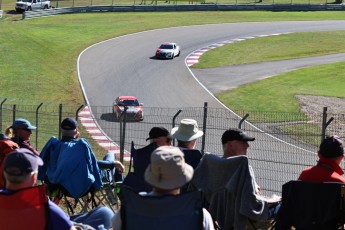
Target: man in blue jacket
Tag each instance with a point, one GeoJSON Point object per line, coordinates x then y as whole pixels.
{"type": "Point", "coordinates": [70, 162]}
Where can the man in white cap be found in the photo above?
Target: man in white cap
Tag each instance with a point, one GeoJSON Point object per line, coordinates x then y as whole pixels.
{"type": "Point", "coordinates": [167, 173]}
{"type": "Point", "coordinates": [186, 135]}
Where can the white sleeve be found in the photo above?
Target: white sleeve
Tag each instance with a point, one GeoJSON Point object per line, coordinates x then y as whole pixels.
{"type": "Point", "coordinates": [207, 222]}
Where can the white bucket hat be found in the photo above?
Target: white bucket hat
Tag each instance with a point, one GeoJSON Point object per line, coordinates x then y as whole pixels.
{"type": "Point", "coordinates": [168, 169]}
{"type": "Point", "coordinates": [187, 130]}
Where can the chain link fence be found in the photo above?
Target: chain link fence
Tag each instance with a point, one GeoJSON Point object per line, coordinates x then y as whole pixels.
{"type": "Point", "coordinates": [285, 143]}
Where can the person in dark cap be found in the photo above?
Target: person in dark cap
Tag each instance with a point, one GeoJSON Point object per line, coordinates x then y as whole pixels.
{"type": "Point", "coordinates": [20, 132]}
{"type": "Point", "coordinates": [71, 162]}
{"type": "Point", "coordinates": [327, 169]}
{"type": "Point", "coordinates": [235, 142]}
{"type": "Point", "coordinates": [160, 136]}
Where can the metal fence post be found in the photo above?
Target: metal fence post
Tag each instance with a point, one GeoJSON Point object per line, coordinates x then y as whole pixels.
{"type": "Point", "coordinates": [325, 123]}
{"type": "Point", "coordinates": [14, 112]}
{"type": "Point", "coordinates": [37, 124]}
{"type": "Point", "coordinates": [242, 120]}
{"type": "Point", "coordinates": [123, 133]}
{"type": "Point", "coordinates": [1, 112]}
{"type": "Point", "coordinates": [77, 112]}
{"type": "Point", "coordinates": [323, 126]}
{"type": "Point", "coordinates": [60, 120]}
{"type": "Point", "coordinates": [204, 125]}
{"type": "Point", "coordinates": [173, 122]}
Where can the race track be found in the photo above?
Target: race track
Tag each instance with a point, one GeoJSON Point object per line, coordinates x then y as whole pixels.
{"type": "Point", "coordinates": [124, 66]}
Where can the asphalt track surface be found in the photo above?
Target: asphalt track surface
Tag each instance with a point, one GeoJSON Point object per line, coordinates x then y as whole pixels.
{"type": "Point", "coordinates": [125, 66]}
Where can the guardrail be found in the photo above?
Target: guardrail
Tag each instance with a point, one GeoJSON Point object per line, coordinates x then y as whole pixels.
{"type": "Point", "coordinates": [169, 8]}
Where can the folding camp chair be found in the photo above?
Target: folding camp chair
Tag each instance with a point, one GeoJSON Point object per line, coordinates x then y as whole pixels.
{"type": "Point", "coordinates": [229, 192]}
{"type": "Point", "coordinates": [183, 212]}
{"type": "Point", "coordinates": [24, 209]}
{"type": "Point", "coordinates": [140, 159]}
{"type": "Point", "coordinates": [311, 206]}
{"type": "Point", "coordinates": [192, 157]}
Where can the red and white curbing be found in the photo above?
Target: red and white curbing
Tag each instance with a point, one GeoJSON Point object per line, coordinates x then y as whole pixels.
{"type": "Point", "coordinates": [103, 140]}
{"type": "Point", "coordinates": [193, 58]}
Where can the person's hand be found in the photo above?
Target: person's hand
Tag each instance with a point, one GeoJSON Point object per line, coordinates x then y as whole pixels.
{"type": "Point", "coordinates": [275, 198]}
{"type": "Point", "coordinates": [271, 199]}
{"type": "Point", "coordinates": [119, 166]}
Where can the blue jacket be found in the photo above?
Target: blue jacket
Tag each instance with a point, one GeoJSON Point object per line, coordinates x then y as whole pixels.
{"type": "Point", "coordinates": [72, 164]}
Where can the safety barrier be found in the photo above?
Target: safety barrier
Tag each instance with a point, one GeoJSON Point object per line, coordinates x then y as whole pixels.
{"type": "Point", "coordinates": [170, 8]}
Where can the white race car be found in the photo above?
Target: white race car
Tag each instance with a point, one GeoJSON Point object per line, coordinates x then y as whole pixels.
{"type": "Point", "coordinates": [168, 50]}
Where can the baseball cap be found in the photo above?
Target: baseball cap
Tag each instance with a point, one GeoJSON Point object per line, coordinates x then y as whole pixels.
{"type": "Point", "coordinates": [69, 124]}
{"type": "Point", "coordinates": [156, 132]}
{"type": "Point", "coordinates": [21, 162]}
{"type": "Point", "coordinates": [21, 123]}
{"type": "Point", "coordinates": [235, 134]}
{"type": "Point", "coordinates": [168, 169]}
{"type": "Point", "coordinates": [331, 147]}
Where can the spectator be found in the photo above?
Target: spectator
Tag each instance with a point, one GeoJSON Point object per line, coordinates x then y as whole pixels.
{"type": "Point", "coordinates": [235, 143]}
{"type": "Point", "coordinates": [74, 156]}
{"type": "Point", "coordinates": [231, 193]}
{"type": "Point", "coordinates": [327, 169]}
{"type": "Point", "coordinates": [167, 173]}
{"type": "Point", "coordinates": [187, 134]}
{"type": "Point", "coordinates": [160, 136]}
{"type": "Point", "coordinates": [20, 169]}
{"type": "Point", "coordinates": [20, 132]}
{"type": "Point", "coordinates": [6, 146]}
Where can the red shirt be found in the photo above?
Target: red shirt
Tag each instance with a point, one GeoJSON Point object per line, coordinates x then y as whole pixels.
{"type": "Point", "coordinates": [326, 170]}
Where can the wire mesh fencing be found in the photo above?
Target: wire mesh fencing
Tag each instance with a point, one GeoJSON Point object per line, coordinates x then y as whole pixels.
{"type": "Point", "coordinates": [285, 143]}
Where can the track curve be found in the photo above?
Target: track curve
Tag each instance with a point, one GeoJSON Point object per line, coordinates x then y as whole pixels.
{"type": "Point", "coordinates": [124, 66]}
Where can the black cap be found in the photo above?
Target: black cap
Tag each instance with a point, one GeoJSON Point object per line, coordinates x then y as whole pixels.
{"type": "Point", "coordinates": [156, 132]}
{"type": "Point", "coordinates": [235, 134]}
{"type": "Point", "coordinates": [69, 124]}
{"type": "Point", "coordinates": [21, 162]}
{"type": "Point", "coordinates": [331, 147]}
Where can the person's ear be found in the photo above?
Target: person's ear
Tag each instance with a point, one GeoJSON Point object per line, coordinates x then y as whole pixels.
{"type": "Point", "coordinates": [318, 154]}
{"type": "Point", "coordinates": [76, 133]}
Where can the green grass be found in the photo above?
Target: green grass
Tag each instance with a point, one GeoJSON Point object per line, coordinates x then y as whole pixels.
{"type": "Point", "coordinates": [38, 57]}
{"type": "Point", "coordinates": [42, 53]}
{"type": "Point", "coordinates": [278, 93]}
{"type": "Point", "coordinates": [294, 45]}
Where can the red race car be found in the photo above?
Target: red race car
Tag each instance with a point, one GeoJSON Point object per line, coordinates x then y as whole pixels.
{"type": "Point", "coordinates": [134, 108]}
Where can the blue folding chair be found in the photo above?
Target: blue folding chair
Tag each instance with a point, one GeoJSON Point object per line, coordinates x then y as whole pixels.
{"type": "Point", "coordinates": [140, 159]}
{"type": "Point", "coordinates": [183, 212]}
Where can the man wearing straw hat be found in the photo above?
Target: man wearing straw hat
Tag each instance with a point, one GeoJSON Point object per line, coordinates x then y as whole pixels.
{"type": "Point", "coordinates": [187, 134]}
